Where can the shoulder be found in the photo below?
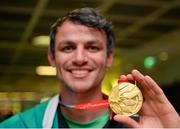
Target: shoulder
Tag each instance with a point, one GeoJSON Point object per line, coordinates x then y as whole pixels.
{"type": "Point", "coordinates": [30, 118]}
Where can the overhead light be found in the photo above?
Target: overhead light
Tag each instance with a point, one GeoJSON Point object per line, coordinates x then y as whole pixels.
{"type": "Point", "coordinates": [163, 56]}
{"type": "Point", "coordinates": [41, 40]}
{"type": "Point", "coordinates": [149, 62]}
{"type": "Point", "coordinates": [46, 71]}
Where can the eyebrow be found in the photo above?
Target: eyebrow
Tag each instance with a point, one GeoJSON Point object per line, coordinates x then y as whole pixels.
{"type": "Point", "coordinates": [90, 42]}
{"type": "Point", "coordinates": [66, 43]}
{"type": "Point", "coordinates": [94, 42]}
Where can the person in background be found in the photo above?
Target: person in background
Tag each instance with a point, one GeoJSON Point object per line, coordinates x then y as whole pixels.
{"type": "Point", "coordinates": [81, 50]}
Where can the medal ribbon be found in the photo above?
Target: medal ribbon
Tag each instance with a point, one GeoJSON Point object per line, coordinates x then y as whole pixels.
{"type": "Point", "coordinates": [93, 105]}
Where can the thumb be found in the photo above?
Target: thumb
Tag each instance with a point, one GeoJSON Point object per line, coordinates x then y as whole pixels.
{"type": "Point", "coordinates": [126, 120]}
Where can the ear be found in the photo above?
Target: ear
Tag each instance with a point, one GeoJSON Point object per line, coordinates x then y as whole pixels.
{"type": "Point", "coordinates": [110, 59]}
{"type": "Point", "coordinates": [51, 58]}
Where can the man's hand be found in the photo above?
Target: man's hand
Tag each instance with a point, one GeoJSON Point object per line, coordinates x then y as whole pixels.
{"type": "Point", "coordinates": [156, 110]}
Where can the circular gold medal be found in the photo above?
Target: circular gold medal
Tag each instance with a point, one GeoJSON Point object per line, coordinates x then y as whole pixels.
{"type": "Point", "coordinates": [125, 99]}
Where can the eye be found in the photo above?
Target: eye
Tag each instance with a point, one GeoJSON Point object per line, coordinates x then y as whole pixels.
{"type": "Point", "coordinates": [67, 49]}
{"type": "Point", "coordinates": [93, 48]}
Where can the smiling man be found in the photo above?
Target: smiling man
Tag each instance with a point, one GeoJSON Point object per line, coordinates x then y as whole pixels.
{"type": "Point", "coordinates": [81, 50]}
{"type": "Point", "coordinates": [78, 57]}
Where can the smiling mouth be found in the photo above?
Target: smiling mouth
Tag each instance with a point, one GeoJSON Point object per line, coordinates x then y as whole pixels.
{"type": "Point", "coordinates": [80, 73]}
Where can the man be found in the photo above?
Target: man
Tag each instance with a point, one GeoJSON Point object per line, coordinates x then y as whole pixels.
{"type": "Point", "coordinates": [81, 50]}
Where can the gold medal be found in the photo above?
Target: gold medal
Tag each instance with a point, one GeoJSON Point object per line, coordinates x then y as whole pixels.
{"type": "Point", "coordinates": [125, 99]}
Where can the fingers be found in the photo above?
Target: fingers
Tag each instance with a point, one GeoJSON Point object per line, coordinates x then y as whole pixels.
{"type": "Point", "coordinates": [128, 77]}
{"type": "Point", "coordinates": [147, 83]}
{"type": "Point", "coordinates": [129, 122]}
{"type": "Point", "coordinates": [139, 78]}
{"type": "Point", "coordinates": [159, 95]}
{"type": "Point", "coordinates": [123, 76]}
{"type": "Point", "coordinates": [152, 85]}
{"type": "Point", "coordinates": [150, 88]}
{"type": "Point", "coordinates": [142, 84]}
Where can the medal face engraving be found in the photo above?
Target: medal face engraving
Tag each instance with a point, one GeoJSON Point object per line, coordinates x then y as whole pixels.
{"type": "Point", "coordinates": [125, 99]}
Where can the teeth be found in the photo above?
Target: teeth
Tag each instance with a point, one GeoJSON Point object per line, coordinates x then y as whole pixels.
{"type": "Point", "coordinates": [79, 71]}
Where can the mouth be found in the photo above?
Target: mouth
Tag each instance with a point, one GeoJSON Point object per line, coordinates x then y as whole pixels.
{"type": "Point", "coordinates": [80, 73]}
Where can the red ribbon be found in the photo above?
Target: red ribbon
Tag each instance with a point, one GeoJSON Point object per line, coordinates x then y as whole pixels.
{"type": "Point", "coordinates": [93, 105]}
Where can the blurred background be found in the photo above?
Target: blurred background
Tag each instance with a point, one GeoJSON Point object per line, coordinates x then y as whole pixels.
{"type": "Point", "coordinates": [148, 39]}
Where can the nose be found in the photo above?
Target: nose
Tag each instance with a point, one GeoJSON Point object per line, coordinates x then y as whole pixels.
{"type": "Point", "coordinates": [80, 57]}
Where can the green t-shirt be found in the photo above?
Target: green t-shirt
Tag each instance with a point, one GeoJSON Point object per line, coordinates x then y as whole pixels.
{"type": "Point", "coordinates": [97, 123]}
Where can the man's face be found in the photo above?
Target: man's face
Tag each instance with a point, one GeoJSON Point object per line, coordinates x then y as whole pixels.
{"type": "Point", "coordinates": [81, 57]}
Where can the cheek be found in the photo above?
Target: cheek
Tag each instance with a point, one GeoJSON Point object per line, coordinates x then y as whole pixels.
{"type": "Point", "coordinates": [61, 59]}
{"type": "Point", "coordinates": [101, 59]}
{"type": "Point", "coordinates": [60, 63]}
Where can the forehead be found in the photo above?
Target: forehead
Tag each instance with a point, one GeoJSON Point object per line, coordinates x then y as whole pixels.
{"type": "Point", "coordinates": [74, 31]}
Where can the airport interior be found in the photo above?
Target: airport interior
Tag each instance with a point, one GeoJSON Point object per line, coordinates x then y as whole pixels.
{"type": "Point", "coordinates": [147, 38]}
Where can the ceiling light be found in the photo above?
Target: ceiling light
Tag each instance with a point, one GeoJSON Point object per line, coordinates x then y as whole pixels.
{"type": "Point", "coordinates": [41, 40]}
{"type": "Point", "coordinates": [163, 56]}
{"type": "Point", "coordinates": [149, 62]}
{"type": "Point", "coordinates": [46, 71]}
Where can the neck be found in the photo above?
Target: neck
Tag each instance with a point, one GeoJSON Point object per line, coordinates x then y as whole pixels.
{"type": "Point", "coordinates": [82, 98]}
